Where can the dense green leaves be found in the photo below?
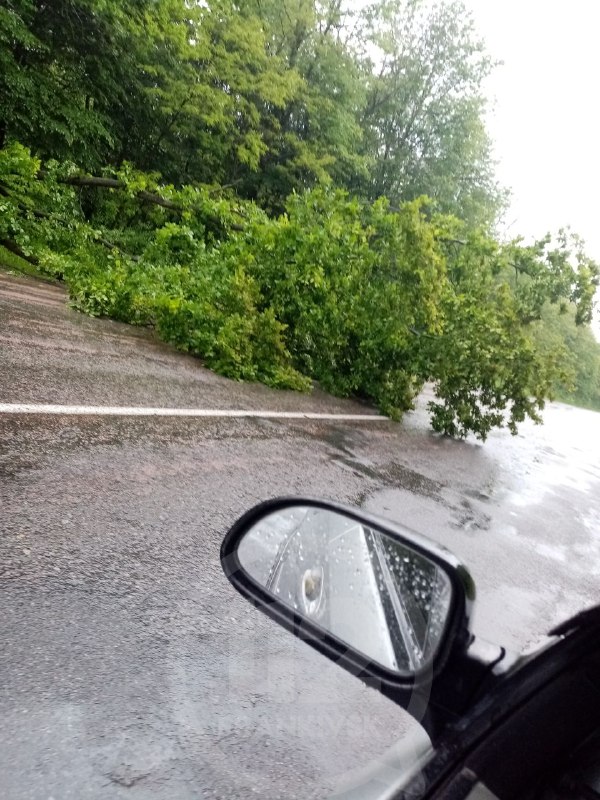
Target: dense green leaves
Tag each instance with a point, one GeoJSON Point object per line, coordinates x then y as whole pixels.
{"type": "Point", "coordinates": [489, 367]}
{"type": "Point", "coordinates": [423, 119]}
{"type": "Point", "coordinates": [271, 97]}
{"type": "Point", "coordinates": [579, 353]}
{"type": "Point", "coordinates": [65, 68]}
{"type": "Point", "coordinates": [370, 302]}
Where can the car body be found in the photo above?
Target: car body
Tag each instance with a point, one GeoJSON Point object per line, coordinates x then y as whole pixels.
{"type": "Point", "coordinates": [501, 725]}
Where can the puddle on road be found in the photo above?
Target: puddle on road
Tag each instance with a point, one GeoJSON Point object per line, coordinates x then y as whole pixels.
{"type": "Point", "coordinates": [349, 443]}
{"type": "Point", "coordinates": [356, 467]}
{"type": "Point", "coordinates": [562, 455]}
{"type": "Point", "coordinates": [415, 482]}
{"type": "Point", "coordinates": [529, 530]}
{"type": "Point", "coordinates": [393, 475]}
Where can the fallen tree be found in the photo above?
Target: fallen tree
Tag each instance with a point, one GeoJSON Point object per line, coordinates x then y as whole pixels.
{"type": "Point", "coordinates": [370, 301]}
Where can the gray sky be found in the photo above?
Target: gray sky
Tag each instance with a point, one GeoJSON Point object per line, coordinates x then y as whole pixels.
{"type": "Point", "coordinates": [546, 117]}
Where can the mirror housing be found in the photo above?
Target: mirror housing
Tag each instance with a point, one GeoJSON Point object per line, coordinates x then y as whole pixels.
{"type": "Point", "coordinates": [410, 683]}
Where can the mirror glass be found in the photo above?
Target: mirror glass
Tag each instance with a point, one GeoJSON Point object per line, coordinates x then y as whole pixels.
{"type": "Point", "coordinates": [378, 595]}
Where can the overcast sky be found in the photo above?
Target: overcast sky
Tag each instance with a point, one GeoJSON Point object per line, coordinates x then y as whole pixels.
{"type": "Point", "coordinates": [546, 118]}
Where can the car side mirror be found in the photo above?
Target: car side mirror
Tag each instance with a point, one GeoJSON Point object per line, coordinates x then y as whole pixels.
{"type": "Point", "coordinates": [382, 601]}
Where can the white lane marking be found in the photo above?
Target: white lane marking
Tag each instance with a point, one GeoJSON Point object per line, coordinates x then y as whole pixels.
{"type": "Point", "coordinates": [136, 411]}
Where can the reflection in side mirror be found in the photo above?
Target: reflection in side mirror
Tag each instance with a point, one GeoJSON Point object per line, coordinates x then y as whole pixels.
{"type": "Point", "coordinates": [373, 592]}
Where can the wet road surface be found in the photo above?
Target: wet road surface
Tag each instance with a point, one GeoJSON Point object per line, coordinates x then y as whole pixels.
{"type": "Point", "coordinates": [128, 666]}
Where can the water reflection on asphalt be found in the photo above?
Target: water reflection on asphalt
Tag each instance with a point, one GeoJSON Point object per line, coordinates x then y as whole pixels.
{"type": "Point", "coordinates": [531, 537]}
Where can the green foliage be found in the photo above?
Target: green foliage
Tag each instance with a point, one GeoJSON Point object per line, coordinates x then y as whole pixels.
{"type": "Point", "coordinates": [63, 65]}
{"type": "Point", "coordinates": [270, 97]}
{"type": "Point", "coordinates": [487, 365]}
{"type": "Point", "coordinates": [557, 331]}
{"type": "Point", "coordinates": [423, 120]}
{"type": "Point", "coordinates": [349, 281]}
{"type": "Point", "coordinates": [370, 301]}
{"type": "Point", "coordinates": [176, 275]}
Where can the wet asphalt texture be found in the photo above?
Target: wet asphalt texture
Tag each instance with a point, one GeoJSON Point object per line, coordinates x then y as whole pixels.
{"type": "Point", "coordinates": [129, 667]}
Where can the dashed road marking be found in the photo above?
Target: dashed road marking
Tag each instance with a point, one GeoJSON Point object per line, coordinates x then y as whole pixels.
{"type": "Point", "coordinates": [141, 411]}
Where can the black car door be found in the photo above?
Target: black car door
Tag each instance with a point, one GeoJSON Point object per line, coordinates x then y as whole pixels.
{"type": "Point", "coordinates": [532, 735]}
{"type": "Point", "coordinates": [394, 609]}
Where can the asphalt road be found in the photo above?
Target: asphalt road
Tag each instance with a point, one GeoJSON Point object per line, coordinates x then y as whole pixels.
{"type": "Point", "coordinates": [128, 665]}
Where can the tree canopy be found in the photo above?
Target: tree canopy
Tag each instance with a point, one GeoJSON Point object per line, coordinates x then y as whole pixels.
{"type": "Point", "coordinates": [272, 97]}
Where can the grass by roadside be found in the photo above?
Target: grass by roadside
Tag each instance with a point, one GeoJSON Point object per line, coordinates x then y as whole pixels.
{"type": "Point", "coordinates": [9, 262]}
